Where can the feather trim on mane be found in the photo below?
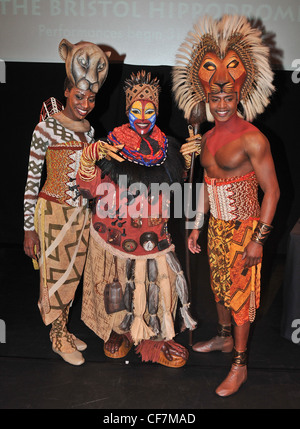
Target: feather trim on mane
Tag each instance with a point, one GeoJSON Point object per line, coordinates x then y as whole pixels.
{"type": "Point", "coordinates": [220, 36]}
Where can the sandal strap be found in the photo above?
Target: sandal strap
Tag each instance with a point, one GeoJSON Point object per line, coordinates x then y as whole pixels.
{"type": "Point", "coordinates": [224, 330]}
{"type": "Point", "coordinates": [239, 358]}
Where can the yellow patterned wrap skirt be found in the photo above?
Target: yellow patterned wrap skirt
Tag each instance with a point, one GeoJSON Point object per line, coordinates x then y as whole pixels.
{"type": "Point", "coordinates": [237, 288]}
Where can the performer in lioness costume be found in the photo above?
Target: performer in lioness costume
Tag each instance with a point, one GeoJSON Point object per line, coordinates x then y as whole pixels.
{"type": "Point", "coordinates": [224, 64]}
{"type": "Point", "coordinates": [56, 220]}
{"type": "Point", "coordinates": [132, 277]}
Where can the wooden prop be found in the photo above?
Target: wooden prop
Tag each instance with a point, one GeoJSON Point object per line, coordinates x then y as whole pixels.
{"type": "Point", "coordinates": [195, 120]}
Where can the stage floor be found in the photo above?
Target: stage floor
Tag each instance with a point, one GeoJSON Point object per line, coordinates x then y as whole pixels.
{"type": "Point", "coordinates": [33, 377]}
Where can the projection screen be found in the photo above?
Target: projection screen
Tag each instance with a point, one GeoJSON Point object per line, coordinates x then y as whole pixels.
{"type": "Point", "coordinates": [141, 31]}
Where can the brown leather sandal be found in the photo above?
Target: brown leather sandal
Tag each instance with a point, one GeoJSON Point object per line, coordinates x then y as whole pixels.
{"type": "Point", "coordinates": [153, 351]}
{"type": "Point", "coordinates": [123, 350]}
{"type": "Point", "coordinates": [176, 362]}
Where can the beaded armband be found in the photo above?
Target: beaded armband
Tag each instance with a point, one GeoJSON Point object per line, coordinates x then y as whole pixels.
{"type": "Point", "coordinates": [87, 170]}
{"type": "Point", "coordinates": [261, 232]}
{"type": "Point", "coordinates": [91, 154]}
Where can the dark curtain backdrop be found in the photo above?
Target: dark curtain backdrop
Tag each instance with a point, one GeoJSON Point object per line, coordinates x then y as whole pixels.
{"type": "Point", "coordinates": [29, 84]}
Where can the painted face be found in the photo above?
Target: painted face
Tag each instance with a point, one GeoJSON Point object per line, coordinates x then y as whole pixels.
{"type": "Point", "coordinates": [142, 116]}
{"type": "Point", "coordinates": [227, 75]}
{"type": "Point", "coordinates": [79, 103]}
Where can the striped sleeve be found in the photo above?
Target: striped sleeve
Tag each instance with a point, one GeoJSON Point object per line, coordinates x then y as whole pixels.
{"type": "Point", "coordinates": [38, 148]}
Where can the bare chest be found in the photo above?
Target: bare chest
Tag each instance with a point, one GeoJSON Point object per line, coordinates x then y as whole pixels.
{"type": "Point", "coordinates": [229, 159]}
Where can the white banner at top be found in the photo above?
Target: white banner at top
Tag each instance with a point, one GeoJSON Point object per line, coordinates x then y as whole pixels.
{"type": "Point", "coordinates": [144, 32]}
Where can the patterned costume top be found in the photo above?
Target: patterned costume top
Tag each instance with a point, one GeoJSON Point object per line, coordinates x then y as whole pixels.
{"type": "Point", "coordinates": [128, 217]}
{"type": "Point", "coordinates": [62, 149]}
{"type": "Point", "coordinates": [234, 198]}
{"type": "Point", "coordinates": [234, 210]}
{"type": "Point", "coordinates": [132, 277]}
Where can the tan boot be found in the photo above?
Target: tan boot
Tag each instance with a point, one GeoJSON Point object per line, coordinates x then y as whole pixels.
{"type": "Point", "coordinates": [63, 343]}
{"type": "Point", "coordinates": [236, 377]}
{"type": "Point", "coordinates": [74, 358]}
{"type": "Point", "coordinates": [80, 345]}
{"type": "Point", "coordinates": [222, 342]}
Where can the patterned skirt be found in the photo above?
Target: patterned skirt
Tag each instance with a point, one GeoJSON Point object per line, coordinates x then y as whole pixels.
{"type": "Point", "coordinates": [234, 286]}
{"type": "Point", "coordinates": [148, 286]}
{"type": "Point", "coordinates": [63, 232]}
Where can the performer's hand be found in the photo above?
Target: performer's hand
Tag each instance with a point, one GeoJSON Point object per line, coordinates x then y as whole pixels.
{"type": "Point", "coordinates": [192, 145]}
{"type": "Point", "coordinates": [32, 246]}
{"type": "Point", "coordinates": [95, 152]}
{"type": "Point", "coordinates": [105, 150]}
{"type": "Point", "coordinates": [252, 254]}
{"type": "Point", "coordinates": [99, 150]}
{"type": "Point", "coordinates": [192, 241]}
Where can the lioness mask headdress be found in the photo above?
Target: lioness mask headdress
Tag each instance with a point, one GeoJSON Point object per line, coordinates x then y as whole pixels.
{"type": "Point", "coordinates": [225, 55]}
{"type": "Point", "coordinates": [86, 64]}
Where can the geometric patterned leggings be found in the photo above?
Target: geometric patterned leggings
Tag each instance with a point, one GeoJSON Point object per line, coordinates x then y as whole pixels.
{"type": "Point", "coordinates": [61, 339]}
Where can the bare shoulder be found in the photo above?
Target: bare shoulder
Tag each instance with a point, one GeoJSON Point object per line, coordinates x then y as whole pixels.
{"type": "Point", "coordinates": [255, 143]}
{"type": "Point", "coordinates": [204, 137]}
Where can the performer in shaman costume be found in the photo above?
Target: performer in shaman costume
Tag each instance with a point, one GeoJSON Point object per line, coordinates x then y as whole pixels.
{"type": "Point", "coordinates": [224, 64]}
{"type": "Point", "coordinates": [57, 220]}
{"type": "Point", "coordinates": [132, 277]}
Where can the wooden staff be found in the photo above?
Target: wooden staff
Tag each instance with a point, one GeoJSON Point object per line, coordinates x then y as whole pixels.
{"type": "Point", "coordinates": [196, 118]}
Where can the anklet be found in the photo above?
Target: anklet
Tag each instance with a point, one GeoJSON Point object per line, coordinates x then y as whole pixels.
{"type": "Point", "coordinates": [239, 358]}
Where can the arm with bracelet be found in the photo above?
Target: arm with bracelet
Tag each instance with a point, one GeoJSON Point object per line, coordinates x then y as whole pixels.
{"type": "Point", "coordinates": [88, 171]}
{"type": "Point", "coordinates": [95, 152]}
{"type": "Point", "coordinates": [201, 216]}
{"type": "Point", "coordinates": [258, 150]}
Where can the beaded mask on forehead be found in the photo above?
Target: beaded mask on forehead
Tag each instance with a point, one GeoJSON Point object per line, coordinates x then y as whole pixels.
{"type": "Point", "coordinates": [225, 55]}
{"type": "Point", "coordinates": [141, 87]}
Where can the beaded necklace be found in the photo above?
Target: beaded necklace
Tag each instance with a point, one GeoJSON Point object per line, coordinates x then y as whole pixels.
{"type": "Point", "coordinates": [125, 135]}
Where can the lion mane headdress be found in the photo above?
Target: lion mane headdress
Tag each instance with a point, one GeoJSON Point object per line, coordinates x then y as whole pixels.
{"type": "Point", "coordinates": [224, 55]}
